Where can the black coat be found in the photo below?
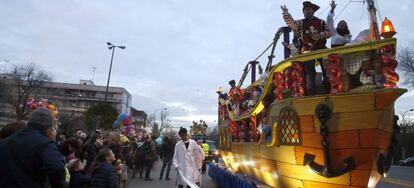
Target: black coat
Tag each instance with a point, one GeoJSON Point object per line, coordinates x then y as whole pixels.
{"type": "Point", "coordinates": [79, 180]}
{"type": "Point", "coordinates": [30, 159]}
{"type": "Point", "coordinates": [168, 150]}
{"type": "Point", "coordinates": [104, 175]}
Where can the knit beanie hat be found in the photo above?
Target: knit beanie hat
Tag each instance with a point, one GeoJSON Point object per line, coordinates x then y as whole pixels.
{"type": "Point", "coordinates": [41, 118]}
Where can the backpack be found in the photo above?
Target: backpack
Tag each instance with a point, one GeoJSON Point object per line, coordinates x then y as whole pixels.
{"type": "Point", "coordinates": [140, 151]}
{"type": "Point", "coordinates": [148, 151]}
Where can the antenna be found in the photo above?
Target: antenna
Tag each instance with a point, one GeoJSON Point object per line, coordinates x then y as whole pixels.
{"type": "Point", "coordinates": [93, 72]}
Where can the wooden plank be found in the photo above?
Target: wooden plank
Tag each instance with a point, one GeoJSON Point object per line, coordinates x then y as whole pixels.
{"type": "Point", "coordinates": [384, 140]}
{"type": "Point", "coordinates": [353, 103]}
{"type": "Point", "coordinates": [386, 121]}
{"type": "Point", "coordinates": [312, 184]}
{"type": "Point", "coordinates": [375, 138]}
{"type": "Point", "coordinates": [307, 123]}
{"type": "Point", "coordinates": [357, 120]}
{"type": "Point", "coordinates": [385, 99]}
{"type": "Point", "coordinates": [278, 153]}
{"type": "Point", "coordinates": [344, 139]}
{"type": "Point", "coordinates": [307, 105]}
{"type": "Point", "coordinates": [363, 157]}
{"type": "Point", "coordinates": [341, 103]}
{"type": "Point", "coordinates": [311, 140]}
{"type": "Point", "coordinates": [250, 149]}
{"type": "Point", "coordinates": [338, 140]}
{"type": "Point", "coordinates": [360, 177]}
{"type": "Point", "coordinates": [289, 182]}
{"type": "Point", "coordinates": [305, 173]}
{"type": "Point", "coordinates": [265, 164]}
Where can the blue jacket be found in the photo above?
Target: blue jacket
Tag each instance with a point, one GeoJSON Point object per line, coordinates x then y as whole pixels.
{"type": "Point", "coordinates": [30, 159]}
{"type": "Point", "coordinates": [104, 176]}
{"type": "Point", "coordinates": [79, 180]}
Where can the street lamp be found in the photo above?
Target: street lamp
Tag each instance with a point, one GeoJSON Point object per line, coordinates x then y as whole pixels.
{"type": "Point", "coordinates": [111, 47]}
{"type": "Point", "coordinates": [410, 110]}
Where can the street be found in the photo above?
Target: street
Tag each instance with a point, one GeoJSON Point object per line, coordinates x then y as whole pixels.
{"type": "Point", "coordinates": [398, 176]}
{"type": "Point", "coordinates": [155, 174]}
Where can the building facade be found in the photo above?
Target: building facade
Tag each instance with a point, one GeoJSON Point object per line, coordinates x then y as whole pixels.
{"type": "Point", "coordinates": [73, 99]}
{"type": "Point", "coordinates": [139, 118]}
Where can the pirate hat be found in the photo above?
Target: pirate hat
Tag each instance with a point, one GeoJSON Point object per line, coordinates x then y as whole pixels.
{"type": "Point", "coordinates": [309, 4]}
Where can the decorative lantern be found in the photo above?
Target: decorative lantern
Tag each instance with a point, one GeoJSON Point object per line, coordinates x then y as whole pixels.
{"type": "Point", "coordinates": [387, 29]}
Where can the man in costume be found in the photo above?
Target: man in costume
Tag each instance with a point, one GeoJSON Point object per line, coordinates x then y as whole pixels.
{"type": "Point", "coordinates": [236, 96]}
{"type": "Point", "coordinates": [312, 33]}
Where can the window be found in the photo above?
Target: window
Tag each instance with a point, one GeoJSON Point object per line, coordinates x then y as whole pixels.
{"type": "Point", "coordinates": [289, 127]}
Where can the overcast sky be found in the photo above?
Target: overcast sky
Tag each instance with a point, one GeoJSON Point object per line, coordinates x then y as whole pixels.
{"type": "Point", "coordinates": [178, 52]}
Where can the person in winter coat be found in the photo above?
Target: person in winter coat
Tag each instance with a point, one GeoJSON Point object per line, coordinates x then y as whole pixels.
{"type": "Point", "coordinates": [139, 158]}
{"type": "Point", "coordinates": [94, 144]}
{"type": "Point", "coordinates": [104, 174]}
{"type": "Point", "coordinates": [150, 148]}
{"type": "Point", "coordinates": [30, 158]}
{"type": "Point", "coordinates": [167, 155]}
{"type": "Point", "coordinates": [185, 158]}
{"type": "Point", "coordinates": [78, 178]}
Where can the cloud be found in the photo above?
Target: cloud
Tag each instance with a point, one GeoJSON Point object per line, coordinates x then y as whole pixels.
{"type": "Point", "coordinates": [178, 52]}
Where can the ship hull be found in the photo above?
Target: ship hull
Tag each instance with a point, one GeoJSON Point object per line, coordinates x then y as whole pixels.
{"type": "Point", "coordinates": [361, 128]}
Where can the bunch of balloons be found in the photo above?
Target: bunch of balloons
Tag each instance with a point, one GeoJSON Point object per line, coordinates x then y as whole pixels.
{"type": "Point", "coordinates": [32, 105]}
{"type": "Point", "coordinates": [126, 122]}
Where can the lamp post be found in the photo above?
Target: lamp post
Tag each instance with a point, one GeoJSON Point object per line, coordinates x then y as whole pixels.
{"type": "Point", "coordinates": [111, 47]}
{"type": "Point", "coordinates": [410, 110]}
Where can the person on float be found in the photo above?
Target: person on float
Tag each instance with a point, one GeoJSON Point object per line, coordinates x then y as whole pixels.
{"type": "Point", "coordinates": [313, 33]}
{"type": "Point", "coordinates": [340, 34]}
{"type": "Point", "coordinates": [235, 95]}
{"type": "Point", "coordinates": [185, 158]}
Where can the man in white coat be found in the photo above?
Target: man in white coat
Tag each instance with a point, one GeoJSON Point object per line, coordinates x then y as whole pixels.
{"type": "Point", "coordinates": [186, 159]}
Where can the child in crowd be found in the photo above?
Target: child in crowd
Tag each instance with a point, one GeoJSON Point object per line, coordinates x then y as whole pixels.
{"type": "Point", "coordinates": [121, 171]}
{"type": "Point", "coordinates": [78, 178]}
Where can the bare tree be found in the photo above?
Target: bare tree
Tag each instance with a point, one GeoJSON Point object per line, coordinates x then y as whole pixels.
{"type": "Point", "coordinates": [406, 65]}
{"type": "Point", "coordinates": [158, 126]}
{"type": "Point", "coordinates": [21, 81]}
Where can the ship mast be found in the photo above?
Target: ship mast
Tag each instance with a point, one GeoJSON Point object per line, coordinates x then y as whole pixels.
{"type": "Point", "coordinates": [374, 31]}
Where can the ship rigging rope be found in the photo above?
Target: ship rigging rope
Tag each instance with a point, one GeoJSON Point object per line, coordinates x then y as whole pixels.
{"type": "Point", "coordinates": [343, 9]}
{"type": "Point", "coordinates": [346, 6]}
{"type": "Point", "coordinates": [379, 11]}
{"type": "Point", "coordinates": [270, 45]}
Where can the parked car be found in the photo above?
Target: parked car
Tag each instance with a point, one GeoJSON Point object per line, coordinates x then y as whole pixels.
{"type": "Point", "coordinates": [407, 162]}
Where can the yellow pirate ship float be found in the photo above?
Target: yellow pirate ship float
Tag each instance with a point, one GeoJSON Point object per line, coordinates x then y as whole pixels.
{"type": "Point", "coordinates": [278, 134]}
